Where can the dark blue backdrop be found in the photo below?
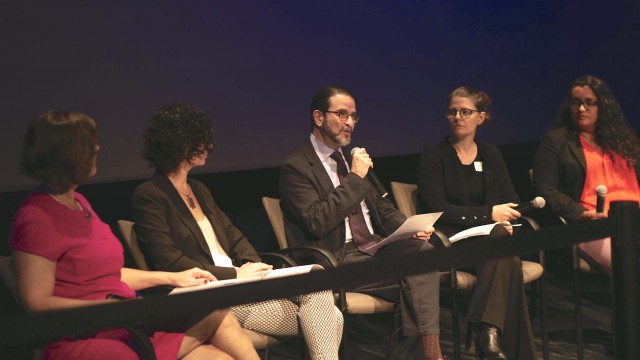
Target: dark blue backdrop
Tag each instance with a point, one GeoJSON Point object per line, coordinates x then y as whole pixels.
{"type": "Point", "coordinates": [254, 65]}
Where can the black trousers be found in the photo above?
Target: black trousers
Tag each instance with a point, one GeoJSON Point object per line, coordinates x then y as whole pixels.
{"type": "Point", "coordinates": [499, 299]}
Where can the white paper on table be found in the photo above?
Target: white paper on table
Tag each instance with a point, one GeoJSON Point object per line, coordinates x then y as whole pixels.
{"type": "Point", "coordinates": [273, 274]}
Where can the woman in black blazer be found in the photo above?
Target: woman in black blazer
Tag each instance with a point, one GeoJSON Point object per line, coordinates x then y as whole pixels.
{"type": "Point", "coordinates": [592, 144]}
{"type": "Point", "coordinates": [179, 225]}
{"type": "Point", "coordinates": [469, 182]}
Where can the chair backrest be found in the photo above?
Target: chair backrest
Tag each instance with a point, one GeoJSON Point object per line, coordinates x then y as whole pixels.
{"type": "Point", "coordinates": [406, 196]}
{"type": "Point", "coordinates": [130, 239]}
{"type": "Point", "coordinates": [274, 212]}
{"type": "Point", "coordinates": [9, 276]}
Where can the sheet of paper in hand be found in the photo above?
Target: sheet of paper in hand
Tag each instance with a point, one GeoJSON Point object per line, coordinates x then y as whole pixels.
{"type": "Point", "coordinates": [411, 226]}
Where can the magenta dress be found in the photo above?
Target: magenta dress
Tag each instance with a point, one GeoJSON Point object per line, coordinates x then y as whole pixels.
{"type": "Point", "coordinates": [88, 261]}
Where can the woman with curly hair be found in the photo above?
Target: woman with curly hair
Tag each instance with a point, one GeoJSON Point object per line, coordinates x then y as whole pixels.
{"type": "Point", "coordinates": [57, 240]}
{"type": "Point", "coordinates": [592, 144]}
{"type": "Point", "coordinates": [179, 226]}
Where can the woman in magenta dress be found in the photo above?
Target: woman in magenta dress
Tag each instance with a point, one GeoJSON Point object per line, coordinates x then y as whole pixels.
{"type": "Point", "coordinates": [61, 244]}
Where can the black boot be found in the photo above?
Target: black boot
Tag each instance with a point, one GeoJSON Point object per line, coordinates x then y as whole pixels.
{"type": "Point", "coordinates": [488, 343]}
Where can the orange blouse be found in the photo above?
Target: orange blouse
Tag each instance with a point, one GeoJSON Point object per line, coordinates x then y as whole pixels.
{"type": "Point", "coordinates": [614, 172]}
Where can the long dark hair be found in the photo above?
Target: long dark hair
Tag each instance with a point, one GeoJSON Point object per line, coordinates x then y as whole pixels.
{"type": "Point", "coordinates": [612, 132]}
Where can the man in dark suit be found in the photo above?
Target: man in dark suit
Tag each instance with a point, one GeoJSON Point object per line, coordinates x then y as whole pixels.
{"type": "Point", "coordinates": [332, 205]}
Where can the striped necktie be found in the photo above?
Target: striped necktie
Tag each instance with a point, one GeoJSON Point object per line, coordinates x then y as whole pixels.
{"type": "Point", "coordinates": [359, 230]}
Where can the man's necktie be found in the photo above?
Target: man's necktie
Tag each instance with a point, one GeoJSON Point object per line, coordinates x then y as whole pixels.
{"type": "Point", "coordinates": [361, 235]}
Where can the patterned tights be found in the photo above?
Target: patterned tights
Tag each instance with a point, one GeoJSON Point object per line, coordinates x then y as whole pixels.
{"type": "Point", "coordinates": [314, 314]}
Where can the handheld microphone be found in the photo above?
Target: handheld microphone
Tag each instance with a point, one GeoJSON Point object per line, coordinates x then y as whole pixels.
{"type": "Point", "coordinates": [601, 192]}
{"type": "Point", "coordinates": [377, 184]}
{"type": "Point", "coordinates": [537, 203]}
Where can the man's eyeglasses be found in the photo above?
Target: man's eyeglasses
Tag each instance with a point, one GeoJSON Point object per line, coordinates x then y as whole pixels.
{"type": "Point", "coordinates": [575, 104]}
{"type": "Point", "coordinates": [464, 113]}
{"type": "Point", "coordinates": [344, 116]}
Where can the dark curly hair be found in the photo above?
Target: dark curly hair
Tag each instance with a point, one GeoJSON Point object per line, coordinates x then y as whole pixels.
{"type": "Point", "coordinates": [60, 149]}
{"type": "Point", "coordinates": [176, 132]}
{"type": "Point", "coordinates": [612, 132]}
{"type": "Point", "coordinates": [480, 99]}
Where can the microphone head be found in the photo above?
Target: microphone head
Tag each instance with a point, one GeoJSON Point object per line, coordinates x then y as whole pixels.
{"type": "Point", "coordinates": [353, 151]}
{"type": "Point", "coordinates": [601, 190]}
{"type": "Point", "coordinates": [538, 202]}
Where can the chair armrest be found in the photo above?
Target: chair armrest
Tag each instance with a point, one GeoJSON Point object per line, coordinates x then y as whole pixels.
{"type": "Point", "coordinates": [312, 255]}
{"type": "Point", "coordinates": [142, 340]}
{"type": "Point", "coordinates": [530, 222]}
{"type": "Point", "coordinates": [277, 260]}
{"type": "Point", "coordinates": [443, 239]}
{"type": "Point", "coordinates": [316, 255]}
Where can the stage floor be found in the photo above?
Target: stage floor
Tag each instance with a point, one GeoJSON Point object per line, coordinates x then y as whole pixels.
{"type": "Point", "coordinates": [370, 337]}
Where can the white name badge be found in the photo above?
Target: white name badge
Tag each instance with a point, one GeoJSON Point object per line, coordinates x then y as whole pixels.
{"type": "Point", "coordinates": [478, 166]}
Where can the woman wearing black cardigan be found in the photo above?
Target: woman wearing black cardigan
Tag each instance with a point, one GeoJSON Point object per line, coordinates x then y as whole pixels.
{"type": "Point", "coordinates": [469, 182]}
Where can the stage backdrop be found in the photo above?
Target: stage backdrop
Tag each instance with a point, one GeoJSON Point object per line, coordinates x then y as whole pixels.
{"type": "Point", "coordinates": [254, 66]}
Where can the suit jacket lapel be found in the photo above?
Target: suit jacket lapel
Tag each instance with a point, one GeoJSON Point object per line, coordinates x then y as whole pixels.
{"type": "Point", "coordinates": [573, 142]}
{"type": "Point", "coordinates": [317, 168]}
{"type": "Point", "coordinates": [184, 214]}
{"type": "Point", "coordinates": [218, 227]}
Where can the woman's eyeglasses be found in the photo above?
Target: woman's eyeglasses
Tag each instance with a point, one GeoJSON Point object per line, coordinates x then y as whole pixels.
{"type": "Point", "coordinates": [464, 113]}
{"type": "Point", "coordinates": [588, 104]}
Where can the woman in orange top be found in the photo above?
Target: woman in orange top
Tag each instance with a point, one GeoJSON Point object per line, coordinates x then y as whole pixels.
{"type": "Point", "coordinates": [592, 144]}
